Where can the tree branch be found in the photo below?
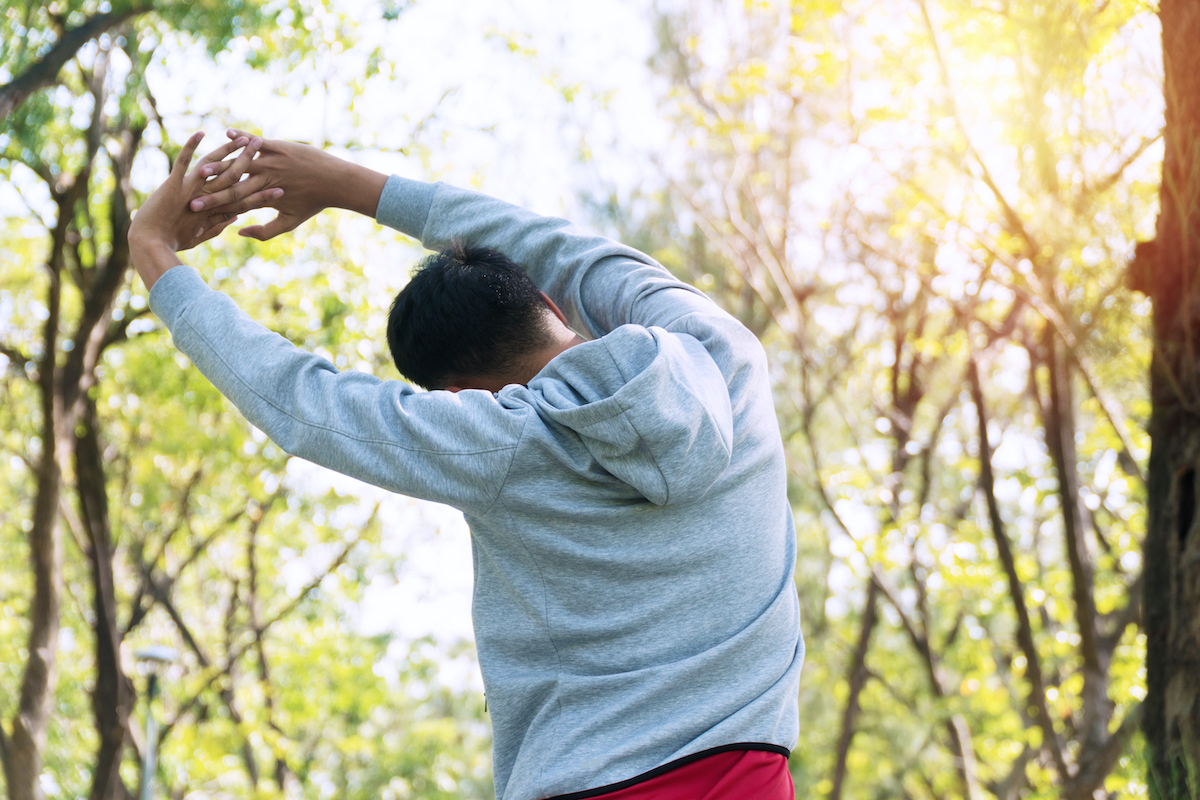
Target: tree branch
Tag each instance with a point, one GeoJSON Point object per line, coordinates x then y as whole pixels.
{"type": "Point", "coordinates": [44, 72]}
{"type": "Point", "coordinates": [236, 652]}
{"type": "Point", "coordinates": [17, 358]}
{"type": "Point", "coordinates": [1111, 180]}
{"type": "Point", "coordinates": [1117, 621]}
{"type": "Point", "coordinates": [956, 727]}
{"type": "Point", "coordinates": [1095, 765]}
{"type": "Point", "coordinates": [119, 330]}
{"type": "Point", "coordinates": [1060, 438]}
{"type": "Point", "coordinates": [857, 679]}
{"type": "Point", "coordinates": [1033, 668]}
{"type": "Point", "coordinates": [1010, 214]}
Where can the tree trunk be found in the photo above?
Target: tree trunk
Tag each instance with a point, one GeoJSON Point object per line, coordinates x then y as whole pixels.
{"type": "Point", "coordinates": [1172, 549]}
{"type": "Point", "coordinates": [112, 695]}
{"type": "Point", "coordinates": [857, 679]}
{"type": "Point", "coordinates": [23, 753]}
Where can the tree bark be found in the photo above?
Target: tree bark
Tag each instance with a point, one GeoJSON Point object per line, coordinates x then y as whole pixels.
{"type": "Point", "coordinates": [113, 695]}
{"type": "Point", "coordinates": [1171, 720]}
{"type": "Point", "coordinates": [856, 679]}
{"type": "Point", "coordinates": [23, 762]}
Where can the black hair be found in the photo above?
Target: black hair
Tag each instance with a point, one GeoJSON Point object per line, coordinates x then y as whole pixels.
{"type": "Point", "coordinates": [466, 312]}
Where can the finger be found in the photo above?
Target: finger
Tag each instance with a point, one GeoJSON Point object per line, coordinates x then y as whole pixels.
{"type": "Point", "coordinates": [259, 199]}
{"type": "Point", "coordinates": [214, 229]}
{"type": "Point", "coordinates": [270, 230]}
{"type": "Point", "coordinates": [235, 197]}
{"type": "Point", "coordinates": [234, 172]}
{"type": "Point", "coordinates": [216, 168]}
{"type": "Point", "coordinates": [221, 152]}
{"type": "Point", "coordinates": [260, 163]}
{"type": "Point", "coordinates": [185, 155]}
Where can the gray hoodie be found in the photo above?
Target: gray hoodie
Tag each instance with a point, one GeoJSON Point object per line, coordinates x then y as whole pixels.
{"type": "Point", "coordinates": [632, 541]}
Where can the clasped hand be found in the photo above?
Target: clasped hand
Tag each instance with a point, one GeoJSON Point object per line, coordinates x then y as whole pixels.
{"type": "Point", "coordinates": [165, 218]}
{"type": "Point", "coordinates": [306, 177]}
{"type": "Point", "coordinates": [193, 207]}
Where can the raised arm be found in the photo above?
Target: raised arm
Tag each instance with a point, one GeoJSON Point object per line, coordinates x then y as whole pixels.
{"type": "Point", "coordinates": [600, 284]}
{"type": "Point", "coordinates": [452, 448]}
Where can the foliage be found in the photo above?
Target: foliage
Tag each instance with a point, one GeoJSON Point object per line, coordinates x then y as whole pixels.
{"type": "Point", "coordinates": [180, 523]}
{"type": "Point", "coordinates": [925, 211]}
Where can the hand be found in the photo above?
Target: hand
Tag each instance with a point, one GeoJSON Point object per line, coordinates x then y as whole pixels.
{"type": "Point", "coordinates": [306, 175]}
{"type": "Point", "coordinates": [165, 225]}
{"type": "Point", "coordinates": [312, 180]}
{"type": "Point", "coordinates": [165, 219]}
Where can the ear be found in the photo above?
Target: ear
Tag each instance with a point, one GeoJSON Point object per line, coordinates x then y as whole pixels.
{"type": "Point", "coordinates": [550, 303]}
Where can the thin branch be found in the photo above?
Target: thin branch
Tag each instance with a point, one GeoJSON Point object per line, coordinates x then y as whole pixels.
{"type": "Point", "coordinates": [74, 524]}
{"type": "Point", "coordinates": [889, 686]}
{"type": "Point", "coordinates": [17, 358]}
{"type": "Point", "coordinates": [1033, 664]}
{"type": "Point", "coordinates": [237, 651]}
{"type": "Point", "coordinates": [1117, 621]}
{"type": "Point", "coordinates": [1011, 786]}
{"type": "Point", "coordinates": [119, 331]}
{"type": "Point", "coordinates": [1112, 411]}
{"type": "Point", "coordinates": [956, 726]}
{"type": "Point", "coordinates": [1010, 214]}
{"type": "Point", "coordinates": [1111, 180]}
{"type": "Point", "coordinates": [1060, 438]}
{"type": "Point", "coordinates": [1095, 765]}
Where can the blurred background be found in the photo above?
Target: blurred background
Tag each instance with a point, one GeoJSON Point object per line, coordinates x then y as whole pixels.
{"type": "Point", "coordinates": [923, 208]}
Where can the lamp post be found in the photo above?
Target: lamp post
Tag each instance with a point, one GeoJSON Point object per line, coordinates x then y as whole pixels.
{"type": "Point", "coordinates": [152, 659]}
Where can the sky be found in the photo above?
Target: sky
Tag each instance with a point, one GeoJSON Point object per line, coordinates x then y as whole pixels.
{"type": "Point", "coordinates": [480, 82]}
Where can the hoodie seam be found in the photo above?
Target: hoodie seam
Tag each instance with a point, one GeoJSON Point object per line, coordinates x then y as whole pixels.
{"type": "Point", "coordinates": [616, 363]}
{"type": "Point", "coordinates": [508, 470]}
{"type": "Point", "coordinates": [558, 700]}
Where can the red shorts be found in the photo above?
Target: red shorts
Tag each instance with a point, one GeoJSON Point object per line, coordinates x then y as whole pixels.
{"type": "Point", "coordinates": [727, 774]}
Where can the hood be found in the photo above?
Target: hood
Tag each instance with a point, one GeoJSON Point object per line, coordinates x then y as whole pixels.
{"type": "Point", "coordinates": [650, 406]}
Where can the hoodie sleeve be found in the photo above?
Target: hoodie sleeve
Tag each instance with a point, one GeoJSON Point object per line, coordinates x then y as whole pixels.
{"type": "Point", "coordinates": [453, 448]}
{"type": "Point", "coordinates": [598, 283]}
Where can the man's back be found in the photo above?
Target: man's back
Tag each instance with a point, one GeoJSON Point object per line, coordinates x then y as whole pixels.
{"type": "Point", "coordinates": [633, 580]}
{"type": "Point", "coordinates": [632, 539]}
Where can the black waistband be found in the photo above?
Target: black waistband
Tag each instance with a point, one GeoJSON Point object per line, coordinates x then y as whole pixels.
{"type": "Point", "coordinates": [679, 762]}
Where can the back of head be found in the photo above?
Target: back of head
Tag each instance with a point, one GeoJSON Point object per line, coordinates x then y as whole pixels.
{"type": "Point", "coordinates": [467, 311]}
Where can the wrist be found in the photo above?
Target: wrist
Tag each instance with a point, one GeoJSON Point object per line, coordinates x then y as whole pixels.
{"type": "Point", "coordinates": [151, 256]}
{"type": "Point", "coordinates": [358, 189]}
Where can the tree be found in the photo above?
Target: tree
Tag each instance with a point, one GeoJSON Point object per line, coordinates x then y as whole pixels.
{"type": "Point", "coordinates": [956, 360]}
{"type": "Point", "coordinates": [145, 508]}
{"type": "Point", "coordinates": [1168, 269]}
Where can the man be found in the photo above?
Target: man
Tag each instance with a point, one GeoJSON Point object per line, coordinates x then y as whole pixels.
{"type": "Point", "coordinates": [636, 621]}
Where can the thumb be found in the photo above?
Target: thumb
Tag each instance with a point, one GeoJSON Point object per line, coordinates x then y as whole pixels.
{"type": "Point", "coordinates": [270, 230]}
